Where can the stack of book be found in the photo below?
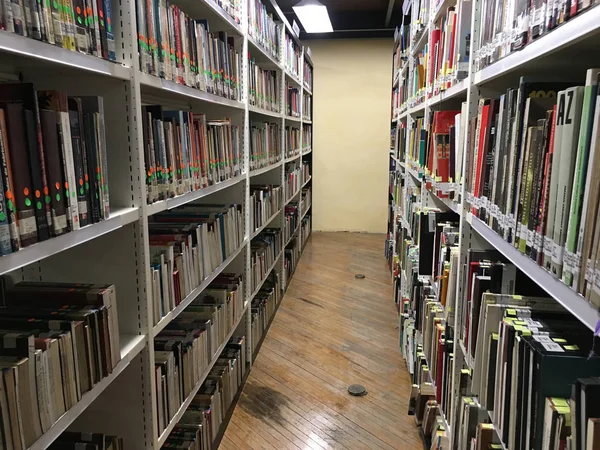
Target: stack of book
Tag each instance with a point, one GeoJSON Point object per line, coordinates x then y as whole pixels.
{"type": "Point", "coordinates": [74, 24]}
{"type": "Point", "coordinates": [292, 55]}
{"type": "Point", "coordinates": [306, 136]}
{"type": "Point", "coordinates": [263, 28]}
{"type": "Point", "coordinates": [264, 250]}
{"type": "Point", "coordinates": [306, 106]}
{"type": "Point", "coordinates": [305, 199]}
{"type": "Point", "coordinates": [263, 307]}
{"type": "Point", "coordinates": [53, 151]}
{"type": "Point", "coordinates": [290, 221]}
{"type": "Point", "coordinates": [265, 202]}
{"type": "Point", "coordinates": [263, 87]}
{"type": "Point", "coordinates": [174, 46]}
{"type": "Point", "coordinates": [450, 43]}
{"type": "Point", "coordinates": [305, 172]}
{"type": "Point", "coordinates": [186, 245]}
{"type": "Point", "coordinates": [305, 228]}
{"type": "Point", "coordinates": [72, 440]}
{"type": "Point", "coordinates": [200, 424]}
{"type": "Point", "coordinates": [292, 256]}
{"type": "Point", "coordinates": [58, 341]}
{"type": "Point", "coordinates": [293, 102]}
{"type": "Point", "coordinates": [508, 27]}
{"type": "Point", "coordinates": [533, 179]}
{"type": "Point", "coordinates": [265, 144]}
{"type": "Point", "coordinates": [292, 141]}
{"type": "Point", "coordinates": [184, 152]}
{"type": "Point", "coordinates": [308, 76]}
{"type": "Point", "coordinates": [293, 181]}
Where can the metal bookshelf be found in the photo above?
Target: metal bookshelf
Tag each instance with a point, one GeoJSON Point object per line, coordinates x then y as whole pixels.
{"type": "Point", "coordinates": [117, 250]}
{"type": "Point", "coordinates": [554, 51]}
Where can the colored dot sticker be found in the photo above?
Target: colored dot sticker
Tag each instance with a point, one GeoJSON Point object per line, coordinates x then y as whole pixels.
{"type": "Point", "coordinates": [46, 190]}
{"type": "Point", "coordinates": [37, 193]}
{"type": "Point", "coordinates": [87, 186]}
{"type": "Point", "coordinates": [27, 202]}
{"type": "Point", "coordinates": [98, 176]}
{"type": "Point", "coordinates": [86, 177]}
{"type": "Point", "coordinates": [55, 4]}
{"type": "Point", "coordinates": [8, 194]}
{"type": "Point", "coordinates": [2, 216]}
{"type": "Point", "coordinates": [79, 20]}
{"type": "Point", "coordinates": [80, 182]}
{"type": "Point", "coordinates": [57, 185]}
{"type": "Point", "coordinates": [81, 191]}
{"type": "Point", "coordinates": [39, 205]}
{"type": "Point", "coordinates": [10, 205]}
{"type": "Point", "coordinates": [67, 193]}
{"type": "Point", "coordinates": [58, 197]}
{"type": "Point", "coordinates": [47, 198]}
{"type": "Point", "coordinates": [78, 9]}
{"type": "Point", "coordinates": [26, 191]}
{"type": "Point", "coordinates": [66, 185]}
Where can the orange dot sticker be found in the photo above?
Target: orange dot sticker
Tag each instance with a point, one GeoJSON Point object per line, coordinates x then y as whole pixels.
{"type": "Point", "coordinates": [26, 191]}
{"type": "Point", "coordinates": [37, 194]}
{"type": "Point", "coordinates": [46, 190]}
{"type": "Point", "coordinates": [8, 194]}
{"type": "Point", "coordinates": [57, 185]}
{"type": "Point", "coordinates": [78, 9]}
{"type": "Point", "coordinates": [80, 182]}
{"type": "Point", "coordinates": [66, 185]}
{"type": "Point", "coordinates": [86, 177]}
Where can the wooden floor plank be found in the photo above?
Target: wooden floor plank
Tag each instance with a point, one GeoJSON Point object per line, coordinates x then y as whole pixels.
{"type": "Point", "coordinates": [331, 330]}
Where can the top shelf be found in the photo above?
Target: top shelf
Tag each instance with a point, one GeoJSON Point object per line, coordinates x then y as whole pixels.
{"type": "Point", "coordinates": [217, 17]}
{"type": "Point", "coordinates": [262, 57]}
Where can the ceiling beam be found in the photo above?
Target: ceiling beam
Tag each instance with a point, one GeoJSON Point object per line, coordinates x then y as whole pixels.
{"type": "Point", "coordinates": [390, 10]}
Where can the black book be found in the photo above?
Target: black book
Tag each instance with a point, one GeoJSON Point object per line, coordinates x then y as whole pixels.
{"type": "Point", "coordinates": [93, 164]}
{"type": "Point", "coordinates": [8, 186]}
{"type": "Point", "coordinates": [79, 162]}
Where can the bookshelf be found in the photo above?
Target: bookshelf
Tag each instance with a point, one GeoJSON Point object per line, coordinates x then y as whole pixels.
{"type": "Point", "coordinates": [453, 64]}
{"type": "Point", "coordinates": [118, 250]}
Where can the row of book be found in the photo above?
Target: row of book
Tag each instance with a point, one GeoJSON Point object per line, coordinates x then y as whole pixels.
{"type": "Point", "coordinates": [308, 76]}
{"type": "Point", "coordinates": [77, 25]}
{"type": "Point", "coordinates": [263, 28]}
{"type": "Point", "coordinates": [450, 48]}
{"type": "Point", "coordinates": [305, 199]}
{"type": "Point", "coordinates": [305, 172]}
{"type": "Point", "coordinates": [265, 202]}
{"type": "Point", "coordinates": [292, 55]}
{"type": "Point", "coordinates": [58, 341]}
{"type": "Point", "coordinates": [306, 106]}
{"type": "Point", "coordinates": [53, 151]}
{"type": "Point", "coordinates": [185, 152]}
{"type": "Point", "coordinates": [508, 27]}
{"type": "Point", "coordinates": [291, 220]}
{"type": "Point", "coordinates": [200, 424]}
{"type": "Point", "coordinates": [264, 251]}
{"type": "Point", "coordinates": [306, 136]}
{"type": "Point", "coordinates": [293, 181]}
{"type": "Point", "coordinates": [400, 96]}
{"type": "Point", "coordinates": [73, 440]}
{"type": "Point", "coordinates": [305, 229]}
{"type": "Point", "coordinates": [263, 87]}
{"type": "Point", "coordinates": [534, 178]}
{"type": "Point", "coordinates": [186, 347]}
{"type": "Point", "coordinates": [263, 307]}
{"type": "Point", "coordinates": [292, 141]}
{"type": "Point", "coordinates": [292, 256]}
{"type": "Point", "coordinates": [186, 245]}
{"type": "Point", "coordinates": [293, 102]}
{"type": "Point", "coordinates": [265, 144]}
{"type": "Point", "coordinates": [174, 46]}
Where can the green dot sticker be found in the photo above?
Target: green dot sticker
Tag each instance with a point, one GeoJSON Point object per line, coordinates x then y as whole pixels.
{"type": "Point", "coordinates": [81, 191]}
{"type": "Point", "coordinates": [74, 194]}
{"type": "Point", "coordinates": [47, 199]}
{"type": "Point", "coordinates": [55, 5]}
{"type": "Point", "coordinates": [79, 20]}
{"type": "Point", "coordinates": [2, 216]}
{"type": "Point", "coordinates": [38, 205]}
{"type": "Point", "coordinates": [96, 196]}
{"type": "Point", "coordinates": [67, 193]}
{"type": "Point", "coordinates": [87, 186]}
{"type": "Point", "coordinates": [10, 205]}
{"type": "Point", "coordinates": [98, 176]}
{"type": "Point", "coordinates": [58, 197]}
{"type": "Point", "coordinates": [27, 202]}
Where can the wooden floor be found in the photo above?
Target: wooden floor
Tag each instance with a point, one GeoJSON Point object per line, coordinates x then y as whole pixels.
{"type": "Point", "coordinates": [331, 330]}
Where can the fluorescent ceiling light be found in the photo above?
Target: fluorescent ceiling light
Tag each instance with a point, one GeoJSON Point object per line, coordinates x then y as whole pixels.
{"type": "Point", "coordinates": [313, 16]}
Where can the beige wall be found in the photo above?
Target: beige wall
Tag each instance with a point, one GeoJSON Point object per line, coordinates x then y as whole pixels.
{"type": "Point", "coordinates": [351, 116]}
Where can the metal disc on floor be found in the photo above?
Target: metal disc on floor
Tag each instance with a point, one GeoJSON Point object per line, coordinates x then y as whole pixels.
{"type": "Point", "coordinates": [357, 390]}
{"type": "Point", "coordinates": [360, 276]}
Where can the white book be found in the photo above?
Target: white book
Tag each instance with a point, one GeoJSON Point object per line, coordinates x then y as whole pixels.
{"type": "Point", "coordinates": [568, 117]}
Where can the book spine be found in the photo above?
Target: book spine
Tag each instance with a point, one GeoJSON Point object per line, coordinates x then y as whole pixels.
{"type": "Point", "coordinates": [68, 25]}
{"type": "Point", "coordinates": [93, 169]}
{"type": "Point", "coordinates": [110, 35]}
{"type": "Point", "coordinates": [102, 28]}
{"type": "Point", "coordinates": [76, 143]}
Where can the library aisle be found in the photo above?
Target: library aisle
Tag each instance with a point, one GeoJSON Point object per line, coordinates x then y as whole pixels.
{"type": "Point", "coordinates": [331, 330]}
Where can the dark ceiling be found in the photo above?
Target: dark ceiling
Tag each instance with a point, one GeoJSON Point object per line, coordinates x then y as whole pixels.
{"type": "Point", "coordinates": [353, 18]}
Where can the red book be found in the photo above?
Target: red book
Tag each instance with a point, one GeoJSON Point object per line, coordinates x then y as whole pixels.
{"type": "Point", "coordinates": [440, 140]}
{"type": "Point", "coordinates": [480, 156]}
{"type": "Point", "coordinates": [435, 39]}
{"type": "Point", "coordinates": [439, 370]}
{"type": "Point", "coordinates": [178, 47]}
{"type": "Point", "coordinates": [452, 46]}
